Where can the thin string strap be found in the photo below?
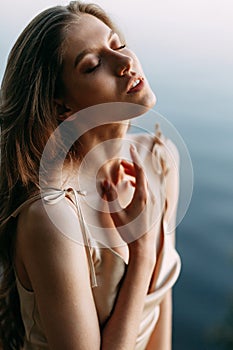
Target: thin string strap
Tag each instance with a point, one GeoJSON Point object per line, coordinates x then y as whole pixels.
{"type": "Point", "coordinates": [54, 197]}
{"type": "Point", "coordinates": [86, 237]}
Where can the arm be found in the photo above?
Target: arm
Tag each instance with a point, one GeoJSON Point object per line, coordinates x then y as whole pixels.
{"type": "Point", "coordinates": [122, 328]}
{"type": "Point", "coordinates": [142, 257]}
{"type": "Point", "coordinates": [58, 271]}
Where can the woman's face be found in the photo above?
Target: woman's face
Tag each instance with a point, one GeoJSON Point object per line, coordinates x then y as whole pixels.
{"type": "Point", "coordinates": [98, 68]}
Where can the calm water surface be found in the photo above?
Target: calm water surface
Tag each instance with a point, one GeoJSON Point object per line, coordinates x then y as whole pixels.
{"type": "Point", "coordinates": [202, 295]}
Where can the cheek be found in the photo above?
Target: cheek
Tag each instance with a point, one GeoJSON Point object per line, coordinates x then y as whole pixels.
{"type": "Point", "coordinates": [98, 85]}
{"type": "Point", "coordinates": [93, 91]}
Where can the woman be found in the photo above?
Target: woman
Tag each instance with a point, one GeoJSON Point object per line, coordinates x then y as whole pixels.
{"type": "Point", "coordinates": [105, 282]}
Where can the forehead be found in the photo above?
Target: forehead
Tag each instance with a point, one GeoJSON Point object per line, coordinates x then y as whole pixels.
{"type": "Point", "coordinates": [87, 32]}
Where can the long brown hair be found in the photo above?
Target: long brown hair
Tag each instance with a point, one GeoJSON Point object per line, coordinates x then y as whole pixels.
{"type": "Point", "coordinates": [28, 116]}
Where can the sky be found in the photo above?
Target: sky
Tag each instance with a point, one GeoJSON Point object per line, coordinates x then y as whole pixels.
{"type": "Point", "coordinates": [182, 44]}
{"type": "Point", "coordinates": [184, 29]}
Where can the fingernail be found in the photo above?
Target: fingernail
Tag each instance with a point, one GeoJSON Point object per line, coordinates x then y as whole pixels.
{"type": "Point", "coordinates": [132, 147]}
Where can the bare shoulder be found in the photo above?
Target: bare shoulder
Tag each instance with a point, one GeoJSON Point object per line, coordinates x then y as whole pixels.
{"type": "Point", "coordinates": [55, 261]}
{"type": "Point", "coordinates": [46, 236]}
{"type": "Point", "coordinates": [41, 221]}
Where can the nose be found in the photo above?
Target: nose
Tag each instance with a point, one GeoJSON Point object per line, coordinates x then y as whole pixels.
{"type": "Point", "coordinates": [124, 64]}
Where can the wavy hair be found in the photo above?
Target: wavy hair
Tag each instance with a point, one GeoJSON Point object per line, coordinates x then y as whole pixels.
{"type": "Point", "coordinates": [28, 117]}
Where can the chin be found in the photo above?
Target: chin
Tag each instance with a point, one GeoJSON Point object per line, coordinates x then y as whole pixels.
{"type": "Point", "coordinates": [149, 101]}
{"type": "Point", "coordinates": [153, 100]}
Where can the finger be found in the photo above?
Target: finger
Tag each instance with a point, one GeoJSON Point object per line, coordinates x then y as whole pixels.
{"type": "Point", "coordinates": [135, 157]}
{"type": "Point", "coordinates": [140, 177]}
{"type": "Point", "coordinates": [127, 165]}
{"type": "Point", "coordinates": [110, 193]}
{"type": "Point", "coordinates": [129, 170]}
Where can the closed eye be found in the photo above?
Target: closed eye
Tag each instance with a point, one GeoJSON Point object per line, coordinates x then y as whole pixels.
{"type": "Point", "coordinates": [121, 47]}
{"type": "Point", "coordinates": [92, 69]}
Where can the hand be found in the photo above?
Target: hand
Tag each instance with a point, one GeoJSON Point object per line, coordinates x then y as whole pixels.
{"type": "Point", "coordinates": [136, 222]}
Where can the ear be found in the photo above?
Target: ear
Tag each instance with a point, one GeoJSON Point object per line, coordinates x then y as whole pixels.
{"type": "Point", "coordinates": [64, 111]}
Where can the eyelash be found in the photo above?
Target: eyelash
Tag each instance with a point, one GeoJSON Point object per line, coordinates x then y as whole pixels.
{"type": "Point", "coordinates": [121, 47]}
{"type": "Point", "coordinates": [90, 70]}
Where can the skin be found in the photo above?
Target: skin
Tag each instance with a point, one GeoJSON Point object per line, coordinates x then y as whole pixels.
{"type": "Point", "coordinates": [50, 264]}
{"type": "Point", "coordinates": [112, 66]}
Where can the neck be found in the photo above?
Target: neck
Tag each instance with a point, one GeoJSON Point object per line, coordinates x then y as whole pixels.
{"type": "Point", "coordinates": [99, 152]}
{"type": "Point", "coordinates": [99, 135]}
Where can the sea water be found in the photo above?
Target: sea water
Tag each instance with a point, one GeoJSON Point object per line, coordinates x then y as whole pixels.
{"type": "Point", "coordinates": [204, 291]}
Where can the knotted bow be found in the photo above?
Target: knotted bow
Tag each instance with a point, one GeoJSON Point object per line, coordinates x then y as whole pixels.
{"type": "Point", "coordinates": [53, 196]}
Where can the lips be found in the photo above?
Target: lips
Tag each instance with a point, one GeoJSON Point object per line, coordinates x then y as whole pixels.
{"type": "Point", "coordinates": [135, 84]}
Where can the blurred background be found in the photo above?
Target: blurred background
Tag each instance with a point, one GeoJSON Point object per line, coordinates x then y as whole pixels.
{"type": "Point", "coordinates": [186, 49]}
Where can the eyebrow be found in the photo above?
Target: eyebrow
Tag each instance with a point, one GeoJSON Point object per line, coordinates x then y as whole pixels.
{"type": "Point", "coordinates": [83, 53]}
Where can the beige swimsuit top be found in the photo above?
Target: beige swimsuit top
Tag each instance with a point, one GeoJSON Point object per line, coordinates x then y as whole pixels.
{"type": "Point", "coordinates": [107, 269]}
